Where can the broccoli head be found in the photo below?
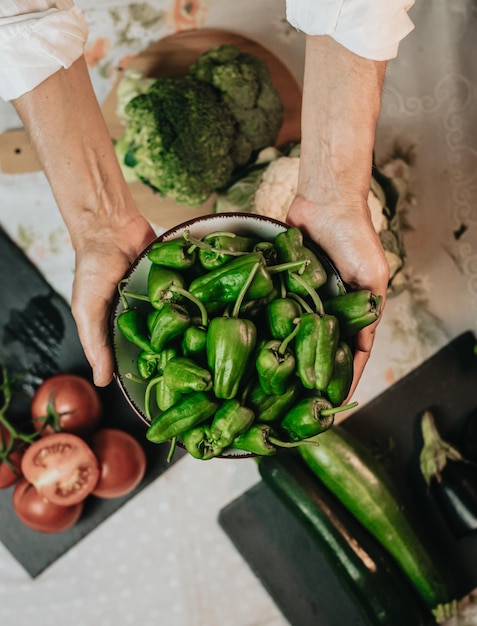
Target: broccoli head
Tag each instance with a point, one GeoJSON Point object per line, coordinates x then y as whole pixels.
{"type": "Point", "coordinates": [246, 87]}
{"type": "Point", "coordinates": [180, 139]}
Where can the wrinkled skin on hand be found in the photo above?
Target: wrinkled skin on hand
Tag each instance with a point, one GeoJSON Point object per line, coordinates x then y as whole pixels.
{"type": "Point", "coordinates": [103, 255]}
{"type": "Point", "coordinates": [347, 236]}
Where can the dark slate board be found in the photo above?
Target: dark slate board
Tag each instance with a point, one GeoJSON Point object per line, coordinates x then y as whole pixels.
{"type": "Point", "coordinates": [38, 336]}
{"type": "Point", "coordinates": [279, 550]}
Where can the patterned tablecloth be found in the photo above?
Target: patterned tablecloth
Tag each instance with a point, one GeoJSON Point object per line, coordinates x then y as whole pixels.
{"type": "Point", "coordinates": [162, 558]}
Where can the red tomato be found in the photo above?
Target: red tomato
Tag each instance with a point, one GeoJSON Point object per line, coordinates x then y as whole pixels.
{"type": "Point", "coordinates": [122, 462]}
{"type": "Point", "coordinates": [62, 467]}
{"type": "Point", "coordinates": [10, 470]}
{"type": "Point", "coordinates": [39, 514]}
{"type": "Point", "coordinates": [66, 402]}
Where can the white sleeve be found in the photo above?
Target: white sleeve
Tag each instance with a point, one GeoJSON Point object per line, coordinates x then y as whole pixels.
{"type": "Point", "coordinates": [370, 28]}
{"type": "Point", "coordinates": [37, 38]}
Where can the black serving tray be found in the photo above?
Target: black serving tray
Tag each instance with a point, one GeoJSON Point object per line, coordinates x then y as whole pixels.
{"type": "Point", "coordinates": [38, 338]}
{"type": "Point", "coordinates": [280, 551]}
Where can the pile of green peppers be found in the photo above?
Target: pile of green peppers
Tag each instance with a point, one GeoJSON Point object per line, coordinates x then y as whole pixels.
{"type": "Point", "coordinates": [237, 350]}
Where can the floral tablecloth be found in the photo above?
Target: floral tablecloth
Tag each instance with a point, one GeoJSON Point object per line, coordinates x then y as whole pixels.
{"type": "Point", "coordinates": [162, 558]}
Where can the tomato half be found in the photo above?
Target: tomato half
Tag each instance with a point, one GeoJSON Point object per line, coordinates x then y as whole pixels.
{"type": "Point", "coordinates": [122, 462]}
{"type": "Point", "coordinates": [39, 514]}
{"type": "Point", "coordinates": [66, 402]}
{"type": "Point", "coordinates": [62, 467]}
{"type": "Point", "coordinates": [10, 464]}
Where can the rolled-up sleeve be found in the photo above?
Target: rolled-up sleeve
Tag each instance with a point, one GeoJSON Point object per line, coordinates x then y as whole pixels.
{"type": "Point", "coordinates": [37, 38]}
{"type": "Point", "coordinates": [370, 28]}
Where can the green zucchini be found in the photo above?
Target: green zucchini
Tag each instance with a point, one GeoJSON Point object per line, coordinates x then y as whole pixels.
{"type": "Point", "coordinates": [349, 470]}
{"type": "Point", "coordinates": [366, 572]}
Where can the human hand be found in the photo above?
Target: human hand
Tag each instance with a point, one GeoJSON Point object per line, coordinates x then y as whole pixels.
{"type": "Point", "coordinates": [346, 234]}
{"type": "Point", "coordinates": [103, 255]}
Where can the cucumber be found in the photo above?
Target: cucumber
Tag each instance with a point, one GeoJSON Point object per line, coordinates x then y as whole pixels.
{"type": "Point", "coordinates": [349, 470]}
{"type": "Point", "coordinates": [366, 572]}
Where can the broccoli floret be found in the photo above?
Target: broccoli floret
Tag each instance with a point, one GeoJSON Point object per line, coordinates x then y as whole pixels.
{"type": "Point", "coordinates": [180, 139]}
{"type": "Point", "coordinates": [246, 87]}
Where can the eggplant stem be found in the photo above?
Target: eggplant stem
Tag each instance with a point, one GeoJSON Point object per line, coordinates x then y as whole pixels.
{"type": "Point", "coordinates": [435, 451]}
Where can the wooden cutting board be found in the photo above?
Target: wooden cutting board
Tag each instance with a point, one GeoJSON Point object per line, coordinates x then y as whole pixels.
{"type": "Point", "coordinates": [171, 56]}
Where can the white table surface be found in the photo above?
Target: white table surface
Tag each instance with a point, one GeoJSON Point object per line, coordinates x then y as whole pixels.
{"type": "Point", "coordinates": [162, 559]}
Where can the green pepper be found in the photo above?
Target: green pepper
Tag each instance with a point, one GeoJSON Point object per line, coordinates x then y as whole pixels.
{"type": "Point", "coordinates": [185, 375]}
{"type": "Point", "coordinates": [175, 254]}
{"type": "Point", "coordinates": [165, 396]}
{"type": "Point", "coordinates": [230, 420]}
{"type": "Point", "coordinates": [262, 440]}
{"type": "Point", "coordinates": [271, 408]}
{"type": "Point", "coordinates": [167, 323]}
{"type": "Point", "coordinates": [269, 251]}
{"type": "Point", "coordinates": [189, 411]}
{"type": "Point", "coordinates": [315, 348]}
{"type": "Point", "coordinates": [194, 341]}
{"type": "Point", "coordinates": [291, 248]}
{"type": "Point", "coordinates": [198, 442]}
{"type": "Point", "coordinates": [275, 364]}
{"type": "Point", "coordinates": [225, 283]}
{"type": "Point", "coordinates": [160, 280]}
{"type": "Point", "coordinates": [354, 309]}
{"type": "Point", "coordinates": [222, 247]}
{"type": "Point", "coordinates": [338, 388]}
{"type": "Point", "coordinates": [147, 363]}
{"type": "Point", "coordinates": [281, 314]}
{"type": "Point", "coordinates": [133, 325]}
{"type": "Point", "coordinates": [230, 345]}
{"type": "Point", "coordinates": [310, 417]}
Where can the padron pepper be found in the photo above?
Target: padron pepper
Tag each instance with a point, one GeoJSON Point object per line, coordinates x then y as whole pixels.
{"type": "Point", "coordinates": [230, 345]}
{"type": "Point", "coordinates": [194, 341]}
{"type": "Point", "coordinates": [220, 247]}
{"type": "Point", "coordinates": [262, 440]}
{"type": "Point", "coordinates": [275, 364]}
{"type": "Point", "coordinates": [315, 349]}
{"type": "Point", "coordinates": [165, 396]}
{"type": "Point", "coordinates": [160, 280]}
{"type": "Point", "coordinates": [225, 283]}
{"type": "Point", "coordinates": [271, 408]}
{"type": "Point", "coordinates": [185, 375]}
{"type": "Point", "coordinates": [167, 323]}
{"type": "Point", "coordinates": [340, 383]}
{"type": "Point", "coordinates": [189, 411]}
{"type": "Point", "coordinates": [354, 309]}
{"type": "Point", "coordinates": [133, 325]}
{"type": "Point", "coordinates": [310, 417]}
{"type": "Point", "coordinates": [175, 253]}
{"type": "Point", "coordinates": [281, 314]}
{"type": "Point", "coordinates": [291, 247]}
{"type": "Point", "coordinates": [147, 363]}
{"type": "Point", "coordinates": [208, 441]}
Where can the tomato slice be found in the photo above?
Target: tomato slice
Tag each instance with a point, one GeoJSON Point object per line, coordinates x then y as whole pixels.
{"type": "Point", "coordinates": [62, 467]}
{"type": "Point", "coordinates": [37, 513]}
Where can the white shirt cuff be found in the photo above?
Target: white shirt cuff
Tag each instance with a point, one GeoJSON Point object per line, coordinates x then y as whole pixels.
{"type": "Point", "coordinates": [35, 45]}
{"type": "Point", "coordinates": [370, 28]}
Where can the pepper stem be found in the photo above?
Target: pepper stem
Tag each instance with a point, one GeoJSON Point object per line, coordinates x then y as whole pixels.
{"type": "Point", "coordinates": [200, 305]}
{"type": "Point", "coordinates": [147, 395]}
{"type": "Point", "coordinates": [338, 409]}
{"type": "Point", "coordinates": [199, 243]}
{"type": "Point", "coordinates": [284, 344]}
{"type": "Point", "coordinates": [303, 303]}
{"type": "Point", "coordinates": [312, 293]}
{"type": "Point", "coordinates": [243, 291]}
{"type": "Point", "coordinates": [291, 444]}
{"type": "Point", "coordinates": [290, 265]}
{"type": "Point", "coordinates": [172, 449]}
{"type": "Point", "coordinates": [435, 451]}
